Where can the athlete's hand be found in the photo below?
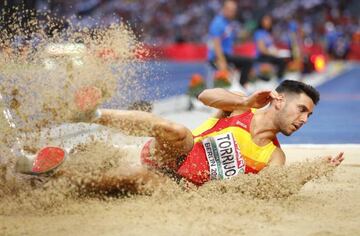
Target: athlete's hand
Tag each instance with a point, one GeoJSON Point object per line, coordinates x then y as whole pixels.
{"type": "Point", "coordinates": [335, 161]}
{"type": "Point", "coordinates": [261, 98]}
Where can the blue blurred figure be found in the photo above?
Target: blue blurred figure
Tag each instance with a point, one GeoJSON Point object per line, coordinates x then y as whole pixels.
{"type": "Point", "coordinates": [337, 44]}
{"type": "Point", "coordinates": [222, 34]}
{"type": "Point", "coordinates": [266, 50]}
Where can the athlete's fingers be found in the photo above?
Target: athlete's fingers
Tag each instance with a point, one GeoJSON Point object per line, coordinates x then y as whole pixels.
{"type": "Point", "coordinates": [268, 99]}
{"type": "Point", "coordinates": [263, 93]}
{"type": "Point", "coordinates": [274, 95]}
{"type": "Point", "coordinates": [266, 96]}
{"type": "Point", "coordinates": [265, 100]}
{"type": "Point", "coordinates": [259, 98]}
{"type": "Point", "coordinates": [337, 159]}
{"type": "Point", "coordinates": [336, 162]}
{"type": "Point", "coordinates": [340, 157]}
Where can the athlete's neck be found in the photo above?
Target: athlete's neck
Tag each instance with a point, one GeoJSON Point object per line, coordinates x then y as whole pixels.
{"type": "Point", "coordinates": [263, 128]}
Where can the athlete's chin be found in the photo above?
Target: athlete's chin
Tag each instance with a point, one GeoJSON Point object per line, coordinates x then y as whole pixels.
{"type": "Point", "coordinates": [287, 132]}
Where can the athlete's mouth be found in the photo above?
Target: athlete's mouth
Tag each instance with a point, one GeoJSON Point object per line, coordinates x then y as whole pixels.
{"type": "Point", "coordinates": [297, 126]}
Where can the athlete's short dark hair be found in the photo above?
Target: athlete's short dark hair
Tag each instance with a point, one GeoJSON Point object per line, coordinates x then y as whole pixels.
{"type": "Point", "coordinates": [291, 86]}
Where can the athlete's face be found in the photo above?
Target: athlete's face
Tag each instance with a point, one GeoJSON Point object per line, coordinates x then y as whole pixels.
{"type": "Point", "coordinates": [294, 112]}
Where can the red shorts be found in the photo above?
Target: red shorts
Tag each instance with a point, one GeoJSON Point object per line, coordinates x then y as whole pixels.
{"type": "Point", "coordinates": [183, 166]}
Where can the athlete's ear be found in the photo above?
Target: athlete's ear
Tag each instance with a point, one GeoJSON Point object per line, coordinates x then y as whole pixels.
{"type": "Point", "coordinates": [279, 101]}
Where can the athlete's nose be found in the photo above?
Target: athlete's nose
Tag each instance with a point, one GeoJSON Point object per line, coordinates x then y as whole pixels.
{"type": "Point", "coordinates": [304, 118]}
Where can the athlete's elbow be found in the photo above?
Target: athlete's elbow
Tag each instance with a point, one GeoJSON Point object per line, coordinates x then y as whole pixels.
{"type": "Point", "coordinates": [203, 96]}
{"type": "Point", "coordinates": [206, 95]}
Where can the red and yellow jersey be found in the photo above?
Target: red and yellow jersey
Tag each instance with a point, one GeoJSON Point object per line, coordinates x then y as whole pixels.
{"type": "Point", "coordinates": [224, 148]}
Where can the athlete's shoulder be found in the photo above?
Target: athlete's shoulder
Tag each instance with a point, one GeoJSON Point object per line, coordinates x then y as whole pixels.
{"type": "Point", "coordinates": [277, 158]}
{"type": "Point", "coordinates": [276, 142]}
{"type": "Point", "coordinates": [242, 113]}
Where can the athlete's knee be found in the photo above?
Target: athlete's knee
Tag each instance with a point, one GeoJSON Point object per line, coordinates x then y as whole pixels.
{"type": "Point", "coordinates": [184, 138]}
{"type": "Point", "coordinates": [176, 135]}
{"type": "Point", "coordinates": [177, 131]}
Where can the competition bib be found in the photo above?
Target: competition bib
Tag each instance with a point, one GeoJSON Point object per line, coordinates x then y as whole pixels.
{"type": "Point", "coordinates": [223, 155]}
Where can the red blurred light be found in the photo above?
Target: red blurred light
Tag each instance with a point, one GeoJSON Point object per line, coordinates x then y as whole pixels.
{"type": "Point", "coordinates": [319, 62]}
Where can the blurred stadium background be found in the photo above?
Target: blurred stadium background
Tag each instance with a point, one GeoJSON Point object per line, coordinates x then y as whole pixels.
{"type": "Point", "coordinates": [165, 24]}
{"type": "Point", "coordinates": [175, 33]}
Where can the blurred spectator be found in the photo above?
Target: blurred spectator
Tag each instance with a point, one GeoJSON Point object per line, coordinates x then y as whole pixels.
{"type": "Point", "coordinates": [161, 21]}
{"type": "Point", "coordinates": [221, 41]}
{"type": "Point", "coordinates": [337, 44]}
{"type": "Point", "coordinates": [266, 50]}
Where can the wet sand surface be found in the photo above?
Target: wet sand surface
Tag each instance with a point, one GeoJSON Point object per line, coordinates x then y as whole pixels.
{"type": "Point", "coordinates": [243, 206]}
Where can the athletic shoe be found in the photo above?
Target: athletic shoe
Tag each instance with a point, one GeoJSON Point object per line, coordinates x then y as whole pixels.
{"type": "Point", "coordinates": [45, 161]}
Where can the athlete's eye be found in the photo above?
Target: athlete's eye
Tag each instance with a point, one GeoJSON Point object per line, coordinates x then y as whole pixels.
{"type": "Point", "coordinates": [303, 108]}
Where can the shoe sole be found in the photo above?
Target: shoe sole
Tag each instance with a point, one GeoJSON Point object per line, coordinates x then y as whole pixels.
{"type": "Point", "coordinates": [47, 160]}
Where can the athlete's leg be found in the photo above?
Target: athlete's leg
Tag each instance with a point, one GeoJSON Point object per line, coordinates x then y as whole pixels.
{"type": "Point", "coordinates": [44, 161]}
{"type": "Point", "coordinates": [171, 140]}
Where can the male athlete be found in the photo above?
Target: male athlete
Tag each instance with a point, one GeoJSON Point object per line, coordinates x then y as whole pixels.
{"type": "Point", "coordinates": [240, 139]}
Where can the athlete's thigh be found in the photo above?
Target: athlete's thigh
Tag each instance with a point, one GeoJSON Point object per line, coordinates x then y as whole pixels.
{"type": "Point", "coordinates": [165, 151]}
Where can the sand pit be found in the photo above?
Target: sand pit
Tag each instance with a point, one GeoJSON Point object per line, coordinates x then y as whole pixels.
{"type": "Point", "coordinates": [96, 192]}
{"type": "Point", "coordinates": [325, 206]}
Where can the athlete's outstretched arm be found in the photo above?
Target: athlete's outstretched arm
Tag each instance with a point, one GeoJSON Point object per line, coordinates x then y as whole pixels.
{"type": "Point", "coordinates": [278, 158]}
{"type": "Point", "coordinates": [319, 168]}
{"type": "Point", "coordinates": [229, 101]}
{"type": "Point", "coordinates": [334, 161]}
{"type": "Point", "coordinates": [300, 176]}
